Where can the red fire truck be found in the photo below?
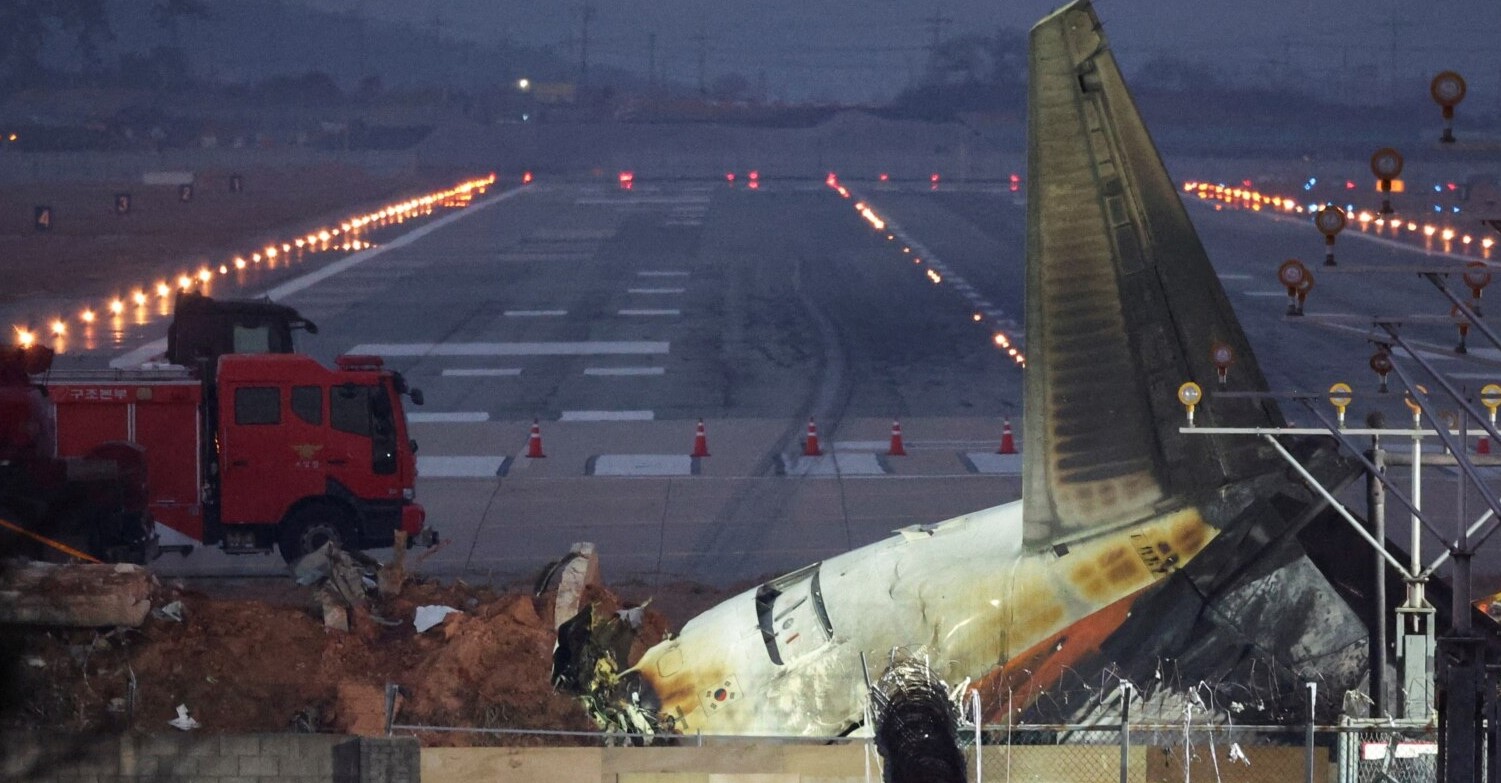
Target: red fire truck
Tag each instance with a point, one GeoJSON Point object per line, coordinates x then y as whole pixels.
{"type": "Point", "coordinates": [270, 450]}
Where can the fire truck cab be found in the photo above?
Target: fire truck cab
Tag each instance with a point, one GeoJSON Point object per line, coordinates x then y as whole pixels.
{"type": "Point", "coordinates": [274, 450]}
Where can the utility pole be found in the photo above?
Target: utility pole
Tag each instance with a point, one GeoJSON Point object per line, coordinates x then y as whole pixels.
{"type": "Point", "coordinates": [702, 42]}
{"type": "Point", "coordinates": [651, 61]}
{"type": "Point", "coordinates": [587, 17]}
{"type": "Point", "coordinates": [360, 43]}
{"type": "Point", "coordinates": [1397, 27]}
{"type": "Point", "coordinates": [935, 25]}
{"type": "Point", "coordinates": [438, 57]}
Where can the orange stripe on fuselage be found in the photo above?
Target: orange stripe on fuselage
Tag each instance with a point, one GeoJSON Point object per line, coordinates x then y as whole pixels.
{"type": "Point", "coordinates": [1015, 685]}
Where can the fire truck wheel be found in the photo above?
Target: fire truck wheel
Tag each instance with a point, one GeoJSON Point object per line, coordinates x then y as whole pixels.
{"type": "Point", "coordinates": [312, 526]}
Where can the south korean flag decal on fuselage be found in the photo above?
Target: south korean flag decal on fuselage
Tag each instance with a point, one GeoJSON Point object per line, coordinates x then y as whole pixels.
{"type": "Point", "coordinates": [720, 695]}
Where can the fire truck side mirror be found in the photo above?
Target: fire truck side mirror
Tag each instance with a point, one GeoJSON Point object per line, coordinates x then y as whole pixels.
{"type": "Point", "coordinates": [416, 396]}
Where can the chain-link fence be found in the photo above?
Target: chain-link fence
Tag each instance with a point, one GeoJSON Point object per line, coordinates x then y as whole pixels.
{"type": "Point", "coordinates": [1097, 753]}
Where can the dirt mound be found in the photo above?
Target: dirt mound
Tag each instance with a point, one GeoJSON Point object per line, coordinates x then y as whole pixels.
{"type": "Point", "coordinates": [258, 664]}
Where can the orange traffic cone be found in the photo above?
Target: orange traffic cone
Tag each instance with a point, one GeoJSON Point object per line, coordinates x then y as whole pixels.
{"type": "Point", "coordinates": [1484, 447]}
{"type": "Point", "coordinates": [896, 449]}
{"type": "Point", "coordinates": [700, 441]}
{"type": "Point", "coordinates": [534, 442]}
{"type": "Point", "coordinates": [1008, 444]}
{"type": "Point", "coordinates": [810, 446]}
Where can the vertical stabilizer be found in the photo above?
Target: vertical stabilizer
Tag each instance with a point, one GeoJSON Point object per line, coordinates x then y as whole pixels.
{"type": "Point", "coordinates": [1122, 307]}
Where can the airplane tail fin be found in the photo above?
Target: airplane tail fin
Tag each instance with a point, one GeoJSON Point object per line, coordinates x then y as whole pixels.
{"type": "Point", "coordinates": [1122, 307]}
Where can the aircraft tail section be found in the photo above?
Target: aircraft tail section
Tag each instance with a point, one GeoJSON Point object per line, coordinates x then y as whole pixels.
{"type": "Point", "coordinates": [1122, 307]}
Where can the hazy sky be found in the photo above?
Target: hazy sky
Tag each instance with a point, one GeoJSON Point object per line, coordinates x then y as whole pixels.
{"type": "Point", "coordinates": [863, 49]}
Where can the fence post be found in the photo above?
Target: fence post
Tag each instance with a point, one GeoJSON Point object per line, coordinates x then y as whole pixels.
{"type": "Point", "coordinates": [1313, 692]}
{"type": "Point", "coordinates": [1125, 729]}
{"type": "Point", "coordinates": [392, 689]}
{"type": "Point", "coordinates": [979, 737]}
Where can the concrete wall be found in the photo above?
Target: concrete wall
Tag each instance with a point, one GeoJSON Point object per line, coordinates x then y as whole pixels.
{"type": "Point", "coordinates": [753, 763]}
{"type": "Point", "coordinates": [324, 758]}
{"type": "Point", "coordinates": [252, 758]}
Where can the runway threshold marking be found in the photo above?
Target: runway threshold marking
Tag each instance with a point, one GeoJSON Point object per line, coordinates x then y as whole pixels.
{"type": "Point", "coordinates": [607, 416]}
{"type": "Point", "coordinates": [581, 348]}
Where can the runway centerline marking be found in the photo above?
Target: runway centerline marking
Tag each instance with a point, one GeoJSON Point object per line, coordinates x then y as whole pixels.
{"type": "Point", "coordinates": [461, 417]}
{"type": "Point", "coordinates": [534, 313]}
{"type": "Point", "coordinates": [607, 416]}
{"type": "Point", "coordinates": [481, 372]}
{"type": "Point", "coordinates": [651, 312]}
{"type": "Point", "coordinates": [625, 370]}
{"type": "Point", "coordinates": [583, 348]}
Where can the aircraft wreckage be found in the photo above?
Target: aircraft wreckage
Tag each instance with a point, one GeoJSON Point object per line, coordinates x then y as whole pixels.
{"type": "Point", "coordinates": [1137, 552]}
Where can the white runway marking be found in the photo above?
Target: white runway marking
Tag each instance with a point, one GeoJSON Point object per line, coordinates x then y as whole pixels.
{"type": "Point", "coordinates": [650, 312]}
{"type": "Point", "coordinates": [994, 464]}
{"type": "Point", "coordinates": [310, 279]}
{"type": "Point", "coordinates": [534, 313]}
{"type": "Point", "coordinates": [625, 370]}
{"type": "Point", "coordinates": [642, 465]}
{"type": "Point", "coordinates": [833, 465]}
{"type": "Point", "coordinates": [462, 417]}
{"type": "Point", "coordinates": [655, 290]}
{"type": "Point", "coordinates": [481, 372]}
{"type": "Point", "coordinates": [628, 201]}
{"type": "Point", "coordinates": [861, 445]}
{"type": "Point", "coordinates": [459, 467]}
{"type": "Point", "coordinates": [662, 273]}
{"type": "Point", "coordinates": [607, 416]}
{"type": "Point", "coordinates": [585, 348]}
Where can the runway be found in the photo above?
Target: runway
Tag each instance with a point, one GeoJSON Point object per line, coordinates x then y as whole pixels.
{"type": "Point", "coordinates": [617, 319]}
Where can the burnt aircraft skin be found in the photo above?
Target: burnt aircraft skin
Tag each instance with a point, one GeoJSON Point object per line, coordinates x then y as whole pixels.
{"type": "Point", "coordinates": [1130, 536]}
